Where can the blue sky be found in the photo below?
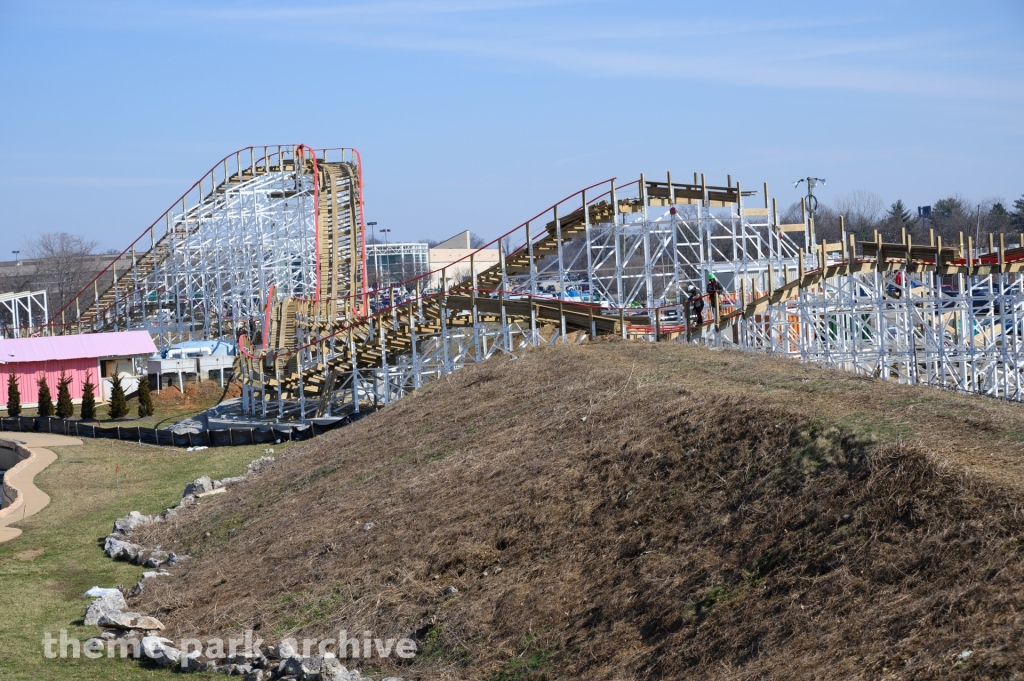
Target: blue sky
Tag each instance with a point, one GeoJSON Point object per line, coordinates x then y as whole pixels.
{"type": "Point", "coordinates": [476, 115]}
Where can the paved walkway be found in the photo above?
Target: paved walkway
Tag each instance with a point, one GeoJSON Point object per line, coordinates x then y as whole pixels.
{"type": "Point", "coordinates": [31, 499]}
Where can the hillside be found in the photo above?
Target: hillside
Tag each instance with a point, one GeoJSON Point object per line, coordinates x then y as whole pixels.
{"type": "Point", "coordinates": [623, 510]}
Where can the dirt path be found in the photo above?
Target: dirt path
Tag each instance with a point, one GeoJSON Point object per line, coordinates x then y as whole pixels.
{"type": "Point", "coordinates": [31, 499]}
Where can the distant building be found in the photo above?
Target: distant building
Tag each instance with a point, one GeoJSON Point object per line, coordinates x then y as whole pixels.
{"type": "Point", "coordinates": [390, 264]}
{"type": "Point", "coordinates": [452, 255]}
{"type": "Point", "coordinates": [96, 356]}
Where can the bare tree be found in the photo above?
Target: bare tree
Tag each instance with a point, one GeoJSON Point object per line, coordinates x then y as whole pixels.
{"type": "Point", "coordinates": [61, 265]}
{"type": "Point", "coordinates": [862, 211]}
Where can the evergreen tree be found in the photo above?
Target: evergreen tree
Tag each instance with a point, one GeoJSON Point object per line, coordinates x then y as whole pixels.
{"type": "Point", "coordinates": [64, 407]}
{"type": "Point", "coordinates": [118, 402]}
{"type": "Point", "coordinates": [145, 399]}
{"type": "Point", "coordinates": [1017, 216]}
{"type": "Point", "coordinates": [88, 399]}
{"type": "Point", "coordinates": [13, 395]}
{"type": "Point", "coordinates": [45, 400]}
{"type": "Point", "coordinates": [898, 213]}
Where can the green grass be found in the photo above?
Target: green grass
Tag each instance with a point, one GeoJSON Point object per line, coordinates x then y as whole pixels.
{"type": "Point", "coordinates": [45, 571]}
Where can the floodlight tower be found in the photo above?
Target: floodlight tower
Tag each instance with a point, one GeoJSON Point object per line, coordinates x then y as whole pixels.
{"type": "Point", "coordinates": [812, 201]}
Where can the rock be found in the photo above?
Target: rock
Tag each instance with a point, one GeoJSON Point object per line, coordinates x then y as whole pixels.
{"type": "Point", "coordinates": [153, 559]}
{"type": "Point", "coordinates": [217, 484]}
{"type": "Point", "coordinates": [450, 590]}
{"type": "Point", "coordinates": [187, 501]}
{"type": "Point", "coordinates": [366, 527]}
{"type": "Point", "coordinates": [95, 644]}
{"type": "Point", "coordinates": [130, 522]}
{"type": "Point", "coordinates": [119, 549]}
{"type": "Point", "coordinates": [150, 574]}
{"type": "Point", "coordinates": [393, 678]}
{"type": "Point", "coordinates": [198, 486]}
{"type": "Point", "coordinates": [291, 665]}
{"type": "Point", "coordinates": [174, 559]}
{"type": "Point", "coordinates": [259, 463]}
{"type": "Point", "coordinates": [160, 650]}
{"type": "Point", "coordinates": [256, 675]}
{"type": "Point", "coordinates": [115, 619]}
{"type": "Point", "coordinates": [99, 592]}
{"type": "Point", "coordinates": [230, 481]}
{"type": "Point", "coordinates": [168, 513]}
{"type": "Point", "coordinates": [191, 663]}
{"type": "Point", "coordinates": [332, 668]}
{"type": "Point", "coordinates": [136, 590]}
{"type": "Point", "coordinates": [284, 650]}
{"type": "Point", "coordinates": [101, 606]}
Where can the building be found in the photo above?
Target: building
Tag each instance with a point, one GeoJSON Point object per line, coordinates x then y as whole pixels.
{"type": "Point", "coordinates": [390, 264]}
{"type": "Point", "coordinates": [96, 356]}
{"type": "Point", "coordinates": [453, 256]}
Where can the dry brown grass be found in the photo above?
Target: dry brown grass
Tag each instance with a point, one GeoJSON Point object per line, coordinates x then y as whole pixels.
{"type": "Point", "coordinates": [657, 511]}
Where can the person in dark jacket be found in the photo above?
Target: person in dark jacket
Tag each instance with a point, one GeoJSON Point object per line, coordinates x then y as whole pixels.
{"type": "Point", "coordinates": [696, 302]}
{"type": "Point", "coordinates": [714, 292]}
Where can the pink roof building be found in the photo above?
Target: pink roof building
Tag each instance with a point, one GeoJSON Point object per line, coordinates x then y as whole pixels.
{"type": "Point", "coordinates": [91, 356]}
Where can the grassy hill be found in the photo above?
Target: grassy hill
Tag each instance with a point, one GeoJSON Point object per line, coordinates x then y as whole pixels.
{"type": "Point", "coordinates": [623, 510]}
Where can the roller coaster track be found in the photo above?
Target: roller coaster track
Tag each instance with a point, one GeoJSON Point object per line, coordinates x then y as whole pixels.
{"type": "Point", "coordinates": [203, 268]}
{"type": "Point", "coordinates": [268, 247]}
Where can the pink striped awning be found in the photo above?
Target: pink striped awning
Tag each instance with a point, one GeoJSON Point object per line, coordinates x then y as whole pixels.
{"type": "Point", "coordinates": [90, 345]}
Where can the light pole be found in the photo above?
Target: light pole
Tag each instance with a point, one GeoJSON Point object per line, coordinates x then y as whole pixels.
{"type": "Point", "coordinates": [387, 256]}
{"type": "Point", "coordinates": [812, 201]}
{"type": "Point", "coordinates": [17, 258]}
{"type": "Point", "coordinates": [376, 255]}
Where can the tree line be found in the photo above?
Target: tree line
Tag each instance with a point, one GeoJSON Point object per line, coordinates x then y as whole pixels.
{"type": "Point", "coordinates": [64, 408]}
{"type": "Point", "coordinates": [865, 212]}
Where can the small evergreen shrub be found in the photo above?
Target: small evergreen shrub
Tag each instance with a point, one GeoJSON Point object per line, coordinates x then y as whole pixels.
{"type": "Point", "coordinates": [45, 400]}
{"type": "Point", "coordinates": [65, 409]}
{"type": "Point", "coordinates": [88, 399]}
{"type": "Point", "coordinates": [145, 399]}
{"type": "Point", "coordinates": [118, 402]}
{"type": "Point", "coordinates": [13, 396]}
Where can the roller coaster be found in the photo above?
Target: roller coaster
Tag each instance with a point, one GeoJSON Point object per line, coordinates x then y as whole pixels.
{"type": "Point", "coordinates": [268, 249]}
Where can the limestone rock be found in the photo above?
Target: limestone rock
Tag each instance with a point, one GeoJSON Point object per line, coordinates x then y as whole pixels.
{"type": "Point", "coordinates": [130, 522]}
{"type": "Point", "coordinates": [259, 463]}
{"type": "Point", "coordinates": [118, 549]}
{"type": "Point", "coordinates": [111, 602]}
{"type": "Point", "coordinates": [115, 619]}
{"type": "Point", "coordinates": [160, 650]}
{"type": "Point", "coordinates": [151, 559]}
{"type": "Point", "coordinates": [174, 559]}
{"type": "Point", "coordinates": [99, 592]}
{"type": "Point", "coordinates": [198, 486]}
{"type": "Point", "coordinates": [150, 574]}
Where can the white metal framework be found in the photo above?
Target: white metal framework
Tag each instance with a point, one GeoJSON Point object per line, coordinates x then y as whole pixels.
{"type": "Point", "coordinates": [22, 314]}
{"type": "Point", "coordinates": [265, 224]}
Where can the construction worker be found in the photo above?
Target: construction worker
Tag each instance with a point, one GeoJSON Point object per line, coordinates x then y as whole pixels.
{"type": "Point", "coordinates": [714, 292]}
{"type": "Point", "coordinates": [695, 302]}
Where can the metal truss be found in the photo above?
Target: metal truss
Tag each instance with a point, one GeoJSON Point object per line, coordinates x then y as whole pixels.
{"type": "Point", "coordinates": [271, 250]}
{"type": "Point", "coordinates": [284, 223]}
{"type": "Point", "coordinates": [22, 314]}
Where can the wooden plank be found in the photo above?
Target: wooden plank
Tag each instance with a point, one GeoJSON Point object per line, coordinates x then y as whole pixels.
{"type": "Point", "coordinates": [755, 211]}
{"type": "Point", "coordinates": [792, 227]}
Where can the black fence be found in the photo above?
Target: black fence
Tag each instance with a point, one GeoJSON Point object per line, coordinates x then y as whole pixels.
{"type": "Point", "coordinates": [227, 437]}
